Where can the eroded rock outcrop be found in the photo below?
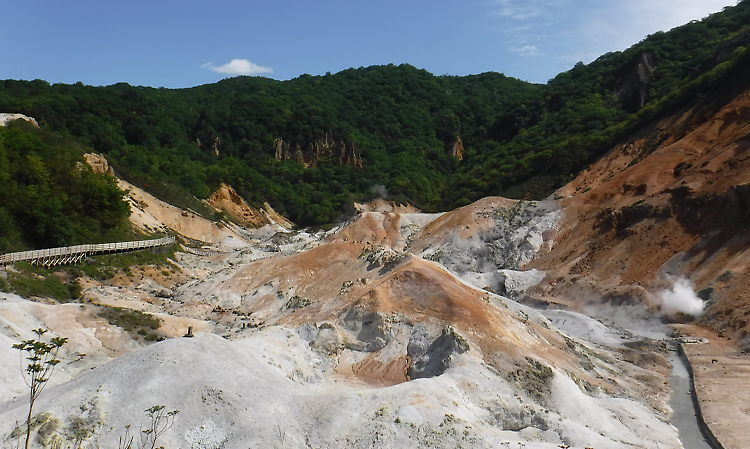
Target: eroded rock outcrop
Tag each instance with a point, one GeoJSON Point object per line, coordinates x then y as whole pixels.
{"type": "Point", "coordinates": [98, 163]}
{"type": "Point", "coordinates": [215, 147]}
{"type": "Point", "coordinates": [430, 360]}
{"type": "Point", "coordinates": [631, 90]}
{"type": "Point", "coordinates": [346, 152]}
{"type": "Point", "coordinates": [455, 147]}
{"type": "Point", "coordinates": [671, 204]}
{"type": "Point", "coordinates": [511, 238]}
{"type": "Point", "coordinates": [227, 200]}
{"type": "Point", "coordinates": [5, 118]}
{"type": "Point", "coordinates": [383, 206]}
{"type": "Point", "coordinates": [371, 329]}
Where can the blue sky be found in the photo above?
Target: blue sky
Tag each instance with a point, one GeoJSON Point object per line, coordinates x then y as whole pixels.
{"type": "Point", "coordinates": [186, 43]}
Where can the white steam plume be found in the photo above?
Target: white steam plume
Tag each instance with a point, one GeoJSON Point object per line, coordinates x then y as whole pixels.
{"type": "Point", "coordinates": [379, 190]}
{"type": "Point", "coordinates": [681, 298]}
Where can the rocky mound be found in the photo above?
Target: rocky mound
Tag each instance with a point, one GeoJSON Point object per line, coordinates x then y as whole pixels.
{"type": "Point", "coordinates": [226, 200]}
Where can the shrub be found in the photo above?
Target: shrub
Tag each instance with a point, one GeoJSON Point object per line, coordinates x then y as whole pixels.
{"type": "Point", "coordinates": [129, 319]}
{"type": "Point", "coordinates": [49, 287]}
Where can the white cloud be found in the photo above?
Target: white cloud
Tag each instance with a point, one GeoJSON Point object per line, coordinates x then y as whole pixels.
{"type": "Point", "coordinates": [526, 50]}
{"type": "Point", "coordinates": [635, 19]}
{"type": "Point", "coordinates": [582, 30]}
{"type": "Point", "coordinates": [516, 12]}
{"type": "Point", "coordinates": [239, 67]}
{"type": "Point", "coordinates": [523, 9]}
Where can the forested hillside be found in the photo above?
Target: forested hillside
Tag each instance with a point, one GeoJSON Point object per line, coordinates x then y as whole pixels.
{"type": "Point", "coordinates": [50, 197]}
{"type": "Point", "coordinates": [518, 139]}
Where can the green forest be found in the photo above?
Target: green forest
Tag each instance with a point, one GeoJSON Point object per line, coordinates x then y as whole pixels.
{"type": "Point", "coordinates": [520, 139]}
{"type": "Point", "coordinates": [50, 196]}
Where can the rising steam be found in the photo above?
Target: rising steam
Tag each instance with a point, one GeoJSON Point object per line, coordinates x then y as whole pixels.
{"type": "Point", "coordinates": [681, 298]}
{"type": "Point", "coordinates": [380, 191]}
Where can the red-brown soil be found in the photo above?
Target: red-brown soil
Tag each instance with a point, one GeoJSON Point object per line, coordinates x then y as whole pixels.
{"type": "Point", "coordinates": [635, 220]}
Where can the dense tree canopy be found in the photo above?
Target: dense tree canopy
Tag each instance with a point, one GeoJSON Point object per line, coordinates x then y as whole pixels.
{"type": "Point", "coordinates": [50, 196]}
{"type": "Point", "coordinates": [520, 139]}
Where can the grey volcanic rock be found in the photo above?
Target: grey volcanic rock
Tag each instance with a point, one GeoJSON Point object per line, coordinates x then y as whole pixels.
{"type": "Point", "coordinates": [418, 342]}
{"type": "Point", "coordinates": [439, 354]}
{"type": "Point", "coordinates": [514, 283]}
{"type": "Point", "coordinates": [516, 419]}
{"type": "Point", "coordinates": [371, 330]}
{"type": "Point", "coordinates": [515, 238]}
{"type": "Point", "coordinates": [327, 339]}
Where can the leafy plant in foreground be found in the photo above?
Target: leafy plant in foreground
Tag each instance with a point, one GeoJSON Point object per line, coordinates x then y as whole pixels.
{"type": "Point", "coordinates": [42, 359]}
{"type": "Point", "coordinates": [161, 421]}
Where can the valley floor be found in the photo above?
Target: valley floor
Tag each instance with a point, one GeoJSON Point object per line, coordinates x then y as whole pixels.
{"type": "Point", "coordinates": [722, 382]}
{"type": "Point", "coordinates": [385, 332]}
{"type": "Point", "coordinates": [396, 329]}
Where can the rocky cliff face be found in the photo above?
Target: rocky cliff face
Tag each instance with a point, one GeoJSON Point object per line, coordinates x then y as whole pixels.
{"type": "Point", "coordinates": [631, 90]}
{"type": "Point", "coordinates": [455, 147]}
{"type": "Point", "coordinates": [227, 200]}
{"type": "Point", "coordinates": [5, 118]}
{"type": "Point", "coordinates": [214, 147]}
{"type": "Point", "coordinates": [346, 152]}
{"type": "Point", "coordinates": [98, 163]}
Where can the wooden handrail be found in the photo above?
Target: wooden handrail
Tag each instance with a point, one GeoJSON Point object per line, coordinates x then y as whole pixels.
{"type": "Point", "coordinates": [81, 250]}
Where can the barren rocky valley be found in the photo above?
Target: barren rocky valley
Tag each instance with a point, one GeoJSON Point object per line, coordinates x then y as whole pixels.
{"type": "Point", "coordinates": [503, 323]}
{"type": "Point", "coordinates": [385, 332]}
{"type": "Point", "coordinates": [382, 257]}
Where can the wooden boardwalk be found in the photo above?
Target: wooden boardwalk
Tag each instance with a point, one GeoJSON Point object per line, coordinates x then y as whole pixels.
{"type": "Point", "coordinates": [72, 254]}
{"type": "Point", "coordinates": [203, 252]}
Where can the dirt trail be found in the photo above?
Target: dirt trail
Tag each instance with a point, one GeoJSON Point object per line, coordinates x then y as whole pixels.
{"type": "Point", "coordinates": [721, 375]}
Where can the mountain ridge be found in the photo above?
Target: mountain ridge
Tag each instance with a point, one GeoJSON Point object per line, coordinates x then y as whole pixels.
{"type": "Point", "coordinates": [519, 139]}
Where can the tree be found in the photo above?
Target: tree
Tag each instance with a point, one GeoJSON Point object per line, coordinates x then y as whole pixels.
{"type": "Point", "coordinates": [42, 359]}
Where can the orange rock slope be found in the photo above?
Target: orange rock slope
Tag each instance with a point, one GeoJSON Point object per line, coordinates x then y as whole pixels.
{"type": "Point", "coordinates": [369, 299]}
{"type": "Point", "coordinates": [225, 199]}
{"type": "Point", "coordinates": [670, 204]}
